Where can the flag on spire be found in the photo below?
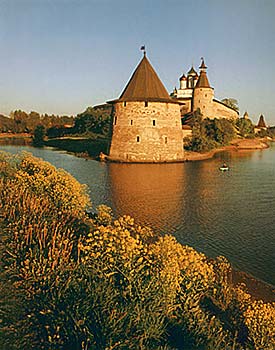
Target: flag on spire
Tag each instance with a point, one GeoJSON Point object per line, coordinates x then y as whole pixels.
{"type": "Point", "coordinates": [143, 49]}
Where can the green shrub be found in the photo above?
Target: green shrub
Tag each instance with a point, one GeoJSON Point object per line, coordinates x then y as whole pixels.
{"type": "Point", "coordinates": [208, 133]}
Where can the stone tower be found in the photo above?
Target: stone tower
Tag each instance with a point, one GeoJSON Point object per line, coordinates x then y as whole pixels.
{"type": "Point", "coordinates": [203, 94]}
{"type": "Point", "coordinates": [146, 121]}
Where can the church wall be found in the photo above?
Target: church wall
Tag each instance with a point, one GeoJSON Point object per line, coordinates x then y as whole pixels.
{"type": "Point", "coordinates": [146, 134]}
{"type": "Point", "coordinates": [184, 93]}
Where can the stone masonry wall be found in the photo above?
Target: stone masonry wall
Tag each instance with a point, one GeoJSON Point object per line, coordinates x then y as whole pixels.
{"type": "Point", "coordinates": [149, 133]}
{"type": "Point", "coordinates": [203, 99]}
{"type": "Point", "coordinates": [221, 111]}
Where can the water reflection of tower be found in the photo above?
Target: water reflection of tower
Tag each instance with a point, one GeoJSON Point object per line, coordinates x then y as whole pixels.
{"type": "Point", "coordinates": [151, 193]}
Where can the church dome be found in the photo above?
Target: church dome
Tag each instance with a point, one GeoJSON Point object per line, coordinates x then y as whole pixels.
{"type": "Point", "coordinates": [192, 72]}
{"type": "Point", "coordinates": [183, 77]}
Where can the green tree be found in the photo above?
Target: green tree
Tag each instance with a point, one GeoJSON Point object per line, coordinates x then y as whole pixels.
{"type": "Point", "coordinates": [39, 135]}
{"type": "Point", "coordinates": [231, 102]}
{"type": "Point", "coordinates": [224, 131]}
{"type": "Point", "coordinates": [95, 120]}
{"type": "Point", "coordinates": [33, 121]}
{"type": "Point", "coordinates": [245, 127]}
{"type": "Point", "coordinates": [20, 121]}
{"type": "Point", "coordinates": [209, 133]}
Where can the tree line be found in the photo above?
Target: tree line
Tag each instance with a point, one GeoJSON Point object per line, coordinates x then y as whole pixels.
{"type": "Point", "coordinates": [92, 120]}
{"type": "Point", "coordinates": [22, 122]}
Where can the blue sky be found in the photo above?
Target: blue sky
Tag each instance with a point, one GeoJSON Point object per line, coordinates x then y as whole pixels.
{"type": "Point", "coordinates": [60, 56]}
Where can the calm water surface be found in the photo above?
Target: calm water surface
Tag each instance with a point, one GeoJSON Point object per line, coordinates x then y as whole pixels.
{"type": "Point", "coordinates": [230, 214]}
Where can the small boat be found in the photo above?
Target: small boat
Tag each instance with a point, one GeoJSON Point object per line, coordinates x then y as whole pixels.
{"type": "Point", "coordinates": [224, 167]}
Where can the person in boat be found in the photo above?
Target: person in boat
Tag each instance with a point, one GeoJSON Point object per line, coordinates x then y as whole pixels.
{"type": "Point", "coordinates": [224, 165]}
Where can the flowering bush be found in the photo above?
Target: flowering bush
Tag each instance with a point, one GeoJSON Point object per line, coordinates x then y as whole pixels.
{"type": "Point", "coordinates": [40, 178]}
{"type": "Point", "coordinates": [73, 282]}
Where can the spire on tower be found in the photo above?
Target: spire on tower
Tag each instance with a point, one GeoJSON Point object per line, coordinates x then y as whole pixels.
{"type": "Point", "coordinates": [203, 80]}
{"type": "Point", "coordinates": [143, 49]}
{"type": "Point", "coordinates": [202, 66]}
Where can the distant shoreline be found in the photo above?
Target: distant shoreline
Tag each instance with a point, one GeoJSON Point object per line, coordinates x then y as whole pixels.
{"type": "Point", "coordinates": [22, 139]}
{"type": "Point", "coordinates": [235, 145]}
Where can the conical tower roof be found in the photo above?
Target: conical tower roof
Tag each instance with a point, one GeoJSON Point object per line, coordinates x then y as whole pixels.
{"type": "Point", "coordinates": [261, 123]}
{"type": "Point", "coordinates": [145, 85]}
{"type": "Point", "coordinates": [203, 81]}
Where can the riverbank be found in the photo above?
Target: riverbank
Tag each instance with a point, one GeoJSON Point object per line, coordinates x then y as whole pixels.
{"type": "Point", "coordinates": [15, 139]}
{"type": "Point", "coordinates": [235, 146]}
{"type": "Point", "coordinates": [92, 148]}
{"type": "Point", "coordinates": [81, 146]}
{"type": "Point", "coordinates": [258, 289]}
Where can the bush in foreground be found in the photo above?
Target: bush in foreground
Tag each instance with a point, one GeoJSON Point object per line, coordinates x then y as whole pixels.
{"type": "Point", "coordinates": [72, 282]}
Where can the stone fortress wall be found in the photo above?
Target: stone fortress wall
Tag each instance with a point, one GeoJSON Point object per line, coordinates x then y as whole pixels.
{"type": "Point", "coordinates": [146, 132]}
{"type": "Point", "coordinates": [222, 111]}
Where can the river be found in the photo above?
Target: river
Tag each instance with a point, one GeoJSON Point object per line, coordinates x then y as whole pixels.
{"type": "Point", "coordinates": [218, 213]}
